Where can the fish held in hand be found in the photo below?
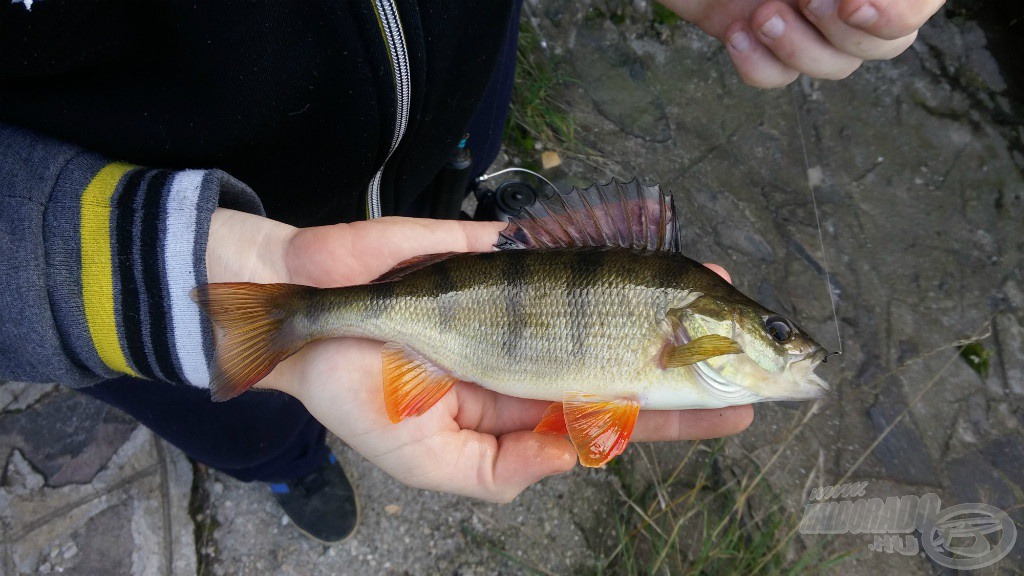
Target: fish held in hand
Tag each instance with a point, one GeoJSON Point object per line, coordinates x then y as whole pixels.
{"type": "Point", "coordinates": [588, 304]}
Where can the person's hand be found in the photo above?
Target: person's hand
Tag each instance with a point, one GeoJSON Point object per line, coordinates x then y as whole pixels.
{"type": "Point", "coordinates": [772, 41]}
{"type": "Point", "coordinates": [473, 442]}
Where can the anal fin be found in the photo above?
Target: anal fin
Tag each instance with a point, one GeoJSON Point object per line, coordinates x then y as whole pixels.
{"type": "Point", "coordinates": [412, 384]}
{"type": "Point", "coordinates": [599, 426]}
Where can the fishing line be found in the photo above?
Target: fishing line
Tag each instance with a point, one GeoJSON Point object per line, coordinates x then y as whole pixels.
{"type": "Point", "coordinates": [514, 169]}
{"type": "Point", "coordinates": [817, 219]}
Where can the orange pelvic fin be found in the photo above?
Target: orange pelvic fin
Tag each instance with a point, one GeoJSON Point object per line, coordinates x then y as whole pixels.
{"type": "Point", "coordinates": [553, 421]}
{"type": "Point", "coordinates": [251, 318]}
{"type": "Point", "coordinates": [599, 426]}
{"type": "Point", "coordinates": [412, 384]}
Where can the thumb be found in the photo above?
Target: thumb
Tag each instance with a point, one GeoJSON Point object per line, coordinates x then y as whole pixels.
{"type": "Point", "coordinates": [720, 271]}
{"type": "Point", "coordinates": [523, 459]}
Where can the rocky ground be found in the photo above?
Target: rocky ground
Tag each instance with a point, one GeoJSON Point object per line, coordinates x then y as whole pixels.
{"type": "Point", "coordinates": [917, 170]}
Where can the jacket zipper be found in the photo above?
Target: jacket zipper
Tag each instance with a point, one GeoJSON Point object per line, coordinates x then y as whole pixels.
{"type": "Point", "coordinates": [394, 39]}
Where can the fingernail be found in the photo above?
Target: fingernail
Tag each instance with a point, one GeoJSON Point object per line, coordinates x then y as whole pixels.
{"type": "Point", "coordinates": [740, 41]}
{"type": "Point", "coordinates": [822, 8]}
{"type": "Point", "coordinates": [775, 27]}
{"type": "Point", "coordinates": [863, 16]}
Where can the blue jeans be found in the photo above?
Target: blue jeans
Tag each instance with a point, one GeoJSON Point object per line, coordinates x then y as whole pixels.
{"type": "Point", "coordinates": [260, 435]}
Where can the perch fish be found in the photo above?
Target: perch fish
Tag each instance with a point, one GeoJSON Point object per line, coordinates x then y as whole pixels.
{"type": "Point", "coordinates": [588, 303]}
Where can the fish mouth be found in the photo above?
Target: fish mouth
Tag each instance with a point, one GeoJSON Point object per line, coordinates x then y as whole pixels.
{"type": "Point", "coordinates": [813, 360]}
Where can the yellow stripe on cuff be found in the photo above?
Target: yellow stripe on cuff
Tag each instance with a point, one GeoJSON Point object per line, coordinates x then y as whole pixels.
{"type": "Point", "coordinates": [97, 272]}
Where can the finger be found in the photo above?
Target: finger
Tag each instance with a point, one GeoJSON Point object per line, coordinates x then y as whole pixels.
{"type": "Point", "coordinates": [720, 271]}
{"type": "Point", "coordinates": [359, 252]}
{"type": "Point", "coordinates": [479, 465]}
{"type": "Point", "coordinates": [754, 62]}
{"type": "Point", "coordinates": [888, 19]}
{"type": "Point", "coordinates": [524, 458]}
{"type": "Point", "coordinates": [332, 374]}
{"type": "Point", "coordinates": [396, 239]}
{"type": "Point", "coordinates": [825, 17]}
{"type": "Point", "coordinates": [798, 44]}
{"type": "Point", "coordinates": [655, 425]}
{"type": "Point", "coordinates": [492, 413]}
{"type": "Point", "coordinates": [435, 236]}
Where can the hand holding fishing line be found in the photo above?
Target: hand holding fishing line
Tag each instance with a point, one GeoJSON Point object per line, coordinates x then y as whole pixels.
{"type": "Point", "coordinates": [772, 42]}
{"type": "Point", "coordinates": [475, 442]}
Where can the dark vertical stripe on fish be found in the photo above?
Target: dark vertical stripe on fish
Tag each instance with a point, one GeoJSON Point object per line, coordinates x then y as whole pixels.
{"type": "Point", "coordinates": [381, 298]}
{"type": "Point", "coordinates": [514, 275]}
{"type": "Point", "coordinates": [446, 300]}
{"type": "Point", "coordinates": [579, 286]}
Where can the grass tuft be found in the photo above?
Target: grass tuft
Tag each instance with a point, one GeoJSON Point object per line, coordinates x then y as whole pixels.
{"type": "Point", "coordinates": [537, 119]}
{"type": "Point", "coordinates": [660, 15]}
{"type": "Point", "coordinates": [695, 521]}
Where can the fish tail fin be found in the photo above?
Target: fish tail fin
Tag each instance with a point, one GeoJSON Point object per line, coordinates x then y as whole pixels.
{"type": "Point", "coordinates": [255, 331]}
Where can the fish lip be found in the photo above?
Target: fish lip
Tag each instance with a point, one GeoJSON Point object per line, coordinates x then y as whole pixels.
{"type": "Point", "coordinates": [814, 357]}
{"type": "Point", "coordinates": [819, 357]}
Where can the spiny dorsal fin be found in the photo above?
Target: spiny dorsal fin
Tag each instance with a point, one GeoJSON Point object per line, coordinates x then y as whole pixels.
{"type": "Point", "coordinates": [616, 214]}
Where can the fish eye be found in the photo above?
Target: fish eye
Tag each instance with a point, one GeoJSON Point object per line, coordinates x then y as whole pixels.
{"type": "Point", "coordinates": [779, 328]}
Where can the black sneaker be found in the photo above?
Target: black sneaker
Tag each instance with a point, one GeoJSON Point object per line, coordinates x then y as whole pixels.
{"type": "Point", "coordinates": [322, 504]}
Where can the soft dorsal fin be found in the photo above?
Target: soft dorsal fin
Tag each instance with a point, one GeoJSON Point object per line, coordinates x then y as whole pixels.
{"type": "Point", "coordinates": [616, 214]}
{"type": "Point", "coordinates": [411, 265]}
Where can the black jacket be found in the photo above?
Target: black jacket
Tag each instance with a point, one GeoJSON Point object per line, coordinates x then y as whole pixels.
{"type": "Point", "coordinates": [124, 125]}
{"type": "Point", "coordinates": [295, 99]}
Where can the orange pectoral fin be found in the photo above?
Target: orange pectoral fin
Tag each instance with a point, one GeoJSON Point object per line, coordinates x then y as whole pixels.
{"type": "Point", "coordinates": [553, 421]}
{"type": "Point", "coordinates": [412, 384]}
{"type": "Point", "coordinates": [599, 426]}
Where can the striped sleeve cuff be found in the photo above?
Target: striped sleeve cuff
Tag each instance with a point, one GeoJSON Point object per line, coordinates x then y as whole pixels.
{"type": "Point", "coordinates": [125, 245]}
